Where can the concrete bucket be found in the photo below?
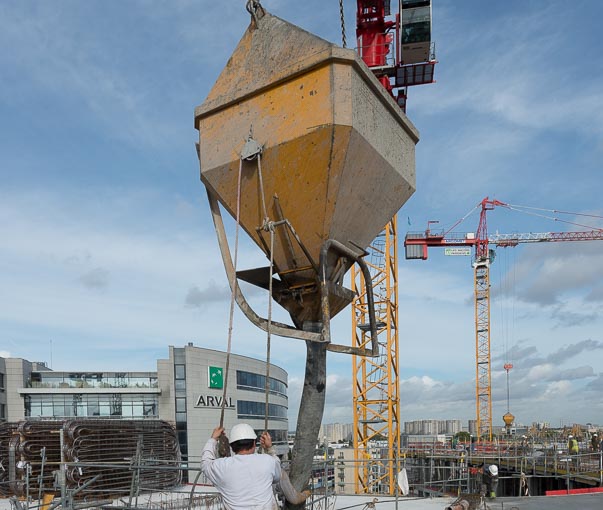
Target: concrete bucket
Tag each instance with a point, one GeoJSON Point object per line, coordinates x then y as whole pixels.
{"type": "Point", "coordinates": [325, 158]}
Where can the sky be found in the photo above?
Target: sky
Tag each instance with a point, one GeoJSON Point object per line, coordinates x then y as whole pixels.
{"type": "Point", "coordinates": [108, 250]}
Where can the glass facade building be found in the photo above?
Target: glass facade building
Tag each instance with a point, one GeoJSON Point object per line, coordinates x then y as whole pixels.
{"type": "Point", "coordinates": [87, 405]}
{"type": "Point", "coordinates": [192, 383]}
{"type": "Point", "coordinates": [50, 379]}
{"type": "Point", "coordinates": [187, 390]}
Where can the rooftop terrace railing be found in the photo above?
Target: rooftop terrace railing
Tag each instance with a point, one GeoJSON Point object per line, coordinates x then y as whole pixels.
{"type": "Point", "coordinates": [430, 473]}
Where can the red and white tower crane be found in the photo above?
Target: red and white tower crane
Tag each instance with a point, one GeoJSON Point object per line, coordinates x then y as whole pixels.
{"type": "Point", "coordinates": [417, 245]}
{"type": "Point", "coordinates": [397, 47]}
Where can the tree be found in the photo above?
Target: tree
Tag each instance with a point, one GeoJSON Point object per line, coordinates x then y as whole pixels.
{"type": "Point", "coordinates": [463, 436]}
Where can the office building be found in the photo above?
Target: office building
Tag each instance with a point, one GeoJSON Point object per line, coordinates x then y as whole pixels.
{"type": "Point", "coordinates": [187, 390]}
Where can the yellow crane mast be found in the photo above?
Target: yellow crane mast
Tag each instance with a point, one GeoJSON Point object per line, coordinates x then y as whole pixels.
{"type": "Point", "coordinates": [376, 386]}
{"type": "Point", "coordinates": [397, 47]}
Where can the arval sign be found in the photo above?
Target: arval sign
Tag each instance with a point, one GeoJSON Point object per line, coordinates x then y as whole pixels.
{"type": "Point", "coordinates": [214, 401]}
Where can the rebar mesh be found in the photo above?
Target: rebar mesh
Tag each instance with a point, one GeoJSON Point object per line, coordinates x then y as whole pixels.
{"type": "Point", "coordinates": [101, 458]}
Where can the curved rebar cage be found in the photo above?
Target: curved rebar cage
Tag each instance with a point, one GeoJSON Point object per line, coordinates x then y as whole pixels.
{"type": "Point", "coordinates": [98, 458]}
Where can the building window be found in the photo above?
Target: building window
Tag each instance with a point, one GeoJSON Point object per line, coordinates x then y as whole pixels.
{"type": "Point", "coordinates": [179, 372]}
{"type": "Point", "coordinates": [278, 436]}
{"type": "Point", "coordinates": [149, 409]}
{"type": "Point", "coordinates": [254, 410]}
{"type": "Point", "coordinates": [91, 405]}
{"type": "Point", "coordinates": [1, 382]}
{"type": "Point", "coordinates": [181, 405]}
{"type": "Point", "coordinates": [257, 382]}
{"type": "Point", "coordinates": [181, 430]}
{"type": "Point", "coordinates": [79, 408]}
{"type": "Point", "coordinates": [93, 380]}
{"type": "Point", "coordinates": [2, 411]}
{"type": "Point", "coordinates": [115, 405]}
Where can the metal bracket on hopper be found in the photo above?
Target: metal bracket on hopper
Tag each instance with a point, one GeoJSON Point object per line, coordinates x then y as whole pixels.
{"type": "Point", "coordinates": [275, 327]}
{"type": "Point", "coordinates": [344, 251]}
{"type": "Point", "coordinates": [286, 330]}
{"type": "Point", "coordinates": [251, 149]}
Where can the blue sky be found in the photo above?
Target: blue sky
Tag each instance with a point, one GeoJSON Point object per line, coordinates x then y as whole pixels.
{"type": "Point", "coordinates": [109, 255]}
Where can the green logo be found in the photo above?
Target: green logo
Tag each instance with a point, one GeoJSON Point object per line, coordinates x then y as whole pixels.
{"type": "Point", "coordinates": [215, 377]}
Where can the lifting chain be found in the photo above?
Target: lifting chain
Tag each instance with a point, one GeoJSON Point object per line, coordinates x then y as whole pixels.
{"type": "Point", "coordinates": [341, 14]}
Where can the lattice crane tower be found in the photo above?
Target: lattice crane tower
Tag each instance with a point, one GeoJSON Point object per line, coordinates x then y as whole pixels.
{"type": "Point", "coordinates": [398, 49]}
{"type": "Point", "coordinates": [376, 387]}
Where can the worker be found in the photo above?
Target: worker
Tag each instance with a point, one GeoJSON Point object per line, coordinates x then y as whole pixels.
{"type": "Point", "coordinates": [594, 441]}
{"type": "Point", "coordinates": [572, 445]}
{"type": "Point", "coordinates": [489, 480]}
{"type": "Point", "coordinates": [245, 479]}
{"type": "Point", "coordinates": [524, 444]}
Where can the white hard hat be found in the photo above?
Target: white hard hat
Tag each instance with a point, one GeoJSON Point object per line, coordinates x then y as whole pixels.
{"type": "Point", "coordinates": [595, 434]}
{"type": "Point", "coordinates": [241, 431]}
{"type": "Point", "coordinates": [570, 436]}
{"type": "Point", "coordinates": [493, 468]}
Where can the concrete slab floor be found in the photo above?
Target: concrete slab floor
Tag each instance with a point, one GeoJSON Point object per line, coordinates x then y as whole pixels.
{"type": "Point", "coordinates": [573, 502]}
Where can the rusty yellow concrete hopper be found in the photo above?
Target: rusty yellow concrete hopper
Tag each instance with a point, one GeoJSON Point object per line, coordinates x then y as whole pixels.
{"type": "Point", "coordinates": [324, 157]}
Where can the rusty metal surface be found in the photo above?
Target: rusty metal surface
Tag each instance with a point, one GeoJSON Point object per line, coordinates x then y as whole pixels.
{"type": "Point", "coordinates": [7, 431]}
{"type": "Point", "coordinates": [338, 153]}
{"type": "Point", "coordinates": [101, 455]}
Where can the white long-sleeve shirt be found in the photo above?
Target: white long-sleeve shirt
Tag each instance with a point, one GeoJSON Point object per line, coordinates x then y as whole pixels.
{"type": "Point", "coordinates": [244, 481]}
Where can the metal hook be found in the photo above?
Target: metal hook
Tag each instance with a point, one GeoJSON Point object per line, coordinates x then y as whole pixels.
{"type": "Point", "coordinates": [254, 7]}
{"type": "Point", "coordinates": [251, 149]}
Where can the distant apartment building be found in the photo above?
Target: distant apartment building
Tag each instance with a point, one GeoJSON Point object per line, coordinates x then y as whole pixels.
{"type": "Point", "coordinates": [432, 427]}
{"type": "Point", "coordinates": [336, 432]}
{"type": "Point", "coordinates": [452, 427]}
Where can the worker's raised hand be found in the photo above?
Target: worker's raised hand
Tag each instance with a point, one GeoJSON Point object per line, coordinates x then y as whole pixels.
{"type": "Point", "coordinates": [265, 441]}
{"type": "Point", "coordinates": [218, 431]}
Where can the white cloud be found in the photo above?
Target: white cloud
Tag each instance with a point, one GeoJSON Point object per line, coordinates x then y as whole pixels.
{"type": "Point", "coordinates": [557, 390]}
{"type": "Point", "coordinates": [510, 68]}
{"type": "Point", "coordinates": [197, 298]}
{"type": "Point", "coordinates": [540, 372]}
